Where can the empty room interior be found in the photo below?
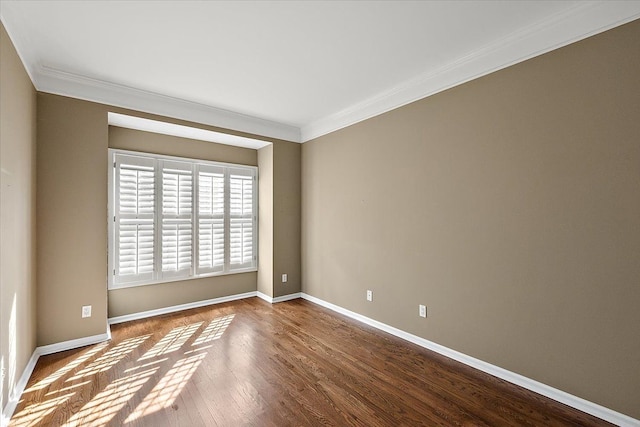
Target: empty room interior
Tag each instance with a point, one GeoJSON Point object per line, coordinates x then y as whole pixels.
{"type": "Point", "coordinates": [365, 213]}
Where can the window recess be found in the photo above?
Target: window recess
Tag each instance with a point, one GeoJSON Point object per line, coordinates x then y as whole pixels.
{"type": "Point", "coordinates": [174, 218]}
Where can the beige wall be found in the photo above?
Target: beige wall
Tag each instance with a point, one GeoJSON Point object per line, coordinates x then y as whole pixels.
{"type": "Point", "coordinates": [71, 220]}
{"type": "Point", "coordinates": [73, 141]}
{"type": "Point", "coordinates": [151, 297]}
{"type": "Point", "coordinates": [279, 168]}
{"type": "Point", "coordinates": [286, 218]}
{"type": "Point", "coordinates": [509, 206]}
{"type": "Point", "coordinates": [134, 300]}
{"type": "Point", "coordinates": [17, 216]}
{"type": "Point", "coordinates": [135, 140]}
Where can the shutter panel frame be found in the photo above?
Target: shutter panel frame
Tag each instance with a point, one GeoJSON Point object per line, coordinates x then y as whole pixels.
{"type": "Point", "coordinates": [134, 220]}
{"type": "Point", "coordinates": [141, 209]}
{"type": "Point", "coordinates": [211, 219]}
{"type": "Point", "coordinates": [242, 227]}
{"type": "Point", "coordinates": [175, 222]}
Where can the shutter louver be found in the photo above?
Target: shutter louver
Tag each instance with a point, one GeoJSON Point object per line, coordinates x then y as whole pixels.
{"type": "Point", "coordinates": [241, 221]}
{"type": "Point", "coordinates": [177, 222]}
{"type": "Point", "coordinates": [134, 207]}
{"type": "Point", "coordinates": [136, 248]}
{"type": "Point", "coordinates": [172, 218]}
{"type": "Point", "coordinates": [137, 190]}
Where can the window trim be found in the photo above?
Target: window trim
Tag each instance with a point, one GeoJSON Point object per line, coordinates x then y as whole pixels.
{"type": "Point", "coordinates": [193, 274]}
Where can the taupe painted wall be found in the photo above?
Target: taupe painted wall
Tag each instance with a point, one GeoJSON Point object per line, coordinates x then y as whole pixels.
{"type": "Point", "coordinates": [279, 242]}
{"type": "Point", "coordinates": [71, 219]}
{"type": "Point", "coordinates": [17, 216]}
{"type": "Point", "coordinates": [286, 218]}
{"type": "Point", "coordinates": [134, 300]}
{"type": "Point", "coordinates": [509, 205]}
{"type": "Point", "coordinates": [73, 141]}
{"type": "Point", "coordinates": [151, 297]}
{"type": "Point", "coordinates": [135, 140]}
{"type": "Point", "coordinates": [265, 220]}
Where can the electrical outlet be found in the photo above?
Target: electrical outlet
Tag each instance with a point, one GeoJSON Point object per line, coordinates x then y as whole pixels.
{"type": "Point", "coordinates": [284, 278]}
{"type": "Point", "coordinates": [86, 311]}
{"type": "Point", "coordinates": [369, 295]}
{"type": "Point", "coordinates": [423, 310]}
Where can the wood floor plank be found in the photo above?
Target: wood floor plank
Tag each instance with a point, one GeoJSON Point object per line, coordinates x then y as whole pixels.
{"type": "Point", "coordinates": [250, 363]}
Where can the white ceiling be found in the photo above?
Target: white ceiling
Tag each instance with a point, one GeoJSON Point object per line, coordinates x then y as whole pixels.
{"type": "Point", "coordinates": [285, 69]}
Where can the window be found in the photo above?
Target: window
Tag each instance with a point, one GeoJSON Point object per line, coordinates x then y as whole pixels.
{"type": "Point", "coordinates": [173, 218]}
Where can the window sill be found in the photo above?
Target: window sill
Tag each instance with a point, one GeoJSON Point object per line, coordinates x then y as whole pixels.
{"type": "Point", "coordinates": [112, 287]}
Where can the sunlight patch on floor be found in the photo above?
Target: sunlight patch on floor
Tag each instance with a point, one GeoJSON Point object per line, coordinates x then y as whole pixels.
{"type": "Point", "coordinates": [172, 341]}
{"type": "Point", "coordinates": [111, 357]}
{"type": "Point", "coordinates": [68, 388]}
{"type": "Point", "coordinates": [198, 350]}
{"type": "Point", "coordinates": [146, 365]}
{"type": "Point", "coordinates": [102, 408]}
{"type": "Point", "coordinates": [214, 330]}
{"type": "Point", "coordinates": [113, 401]}
{"type": "Point", "coordinates": [68, 367]}
{"type": "Point", "coordinates": [168, 388]}
{"type": "Point", "coordinates": [32, 415]}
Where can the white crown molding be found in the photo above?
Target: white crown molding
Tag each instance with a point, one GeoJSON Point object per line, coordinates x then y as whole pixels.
{"type": "Point", "coordinates": [579, 22]}
{"type": "Point", "coordinates": [571, 25]}
{"type": "Point", "coordinates": [50, 80]}
{"type": "Point", "coordinates": [63, 83]}
{"type": "Point", "coordinates": [576, 402]}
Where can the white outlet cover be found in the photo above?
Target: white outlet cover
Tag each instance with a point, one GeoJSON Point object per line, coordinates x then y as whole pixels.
{"type": "Point", "coordinates": [422, 310]}
{"type": "Point", "coordinates": [369, 295]}
{"type": "Point", "coordinates": [86, 311]}
{"type": "Point", "coordinates": [284, 278]}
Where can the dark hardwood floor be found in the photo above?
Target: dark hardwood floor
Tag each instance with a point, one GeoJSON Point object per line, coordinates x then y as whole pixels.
{"type": "Point", "coordinates": [289, 364]}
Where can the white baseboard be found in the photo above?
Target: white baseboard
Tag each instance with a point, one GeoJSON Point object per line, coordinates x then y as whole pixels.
{"type": "Point", "coordinates": [14, 396]}
{"type": "Point", "coordinates": [520, 380]}
{"type": "Point", "coordinates": [17, 391]}
{"type": "Point", "coordinates": [289, 297]}
{"type": "Point", "coordinates": [71, 344]}
{"type": "Point", "coordinates": [180, 307]}
{"type": "Point", "coordinates": [95, 339]}
{"type": "Point", "coordinates": [265, 297]}
{"type": "Point", "coordinates": [282, 298]}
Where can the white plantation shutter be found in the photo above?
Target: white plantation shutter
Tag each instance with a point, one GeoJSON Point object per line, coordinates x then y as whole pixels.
{"type": "Point", "coordinates": [177, 218]}
{"type": "Point", "coordinates": [211, 253]}
{"type": "Point", "coordinates": [134, 219]}
{"type": "Point", "coordinates": [241, 219]}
